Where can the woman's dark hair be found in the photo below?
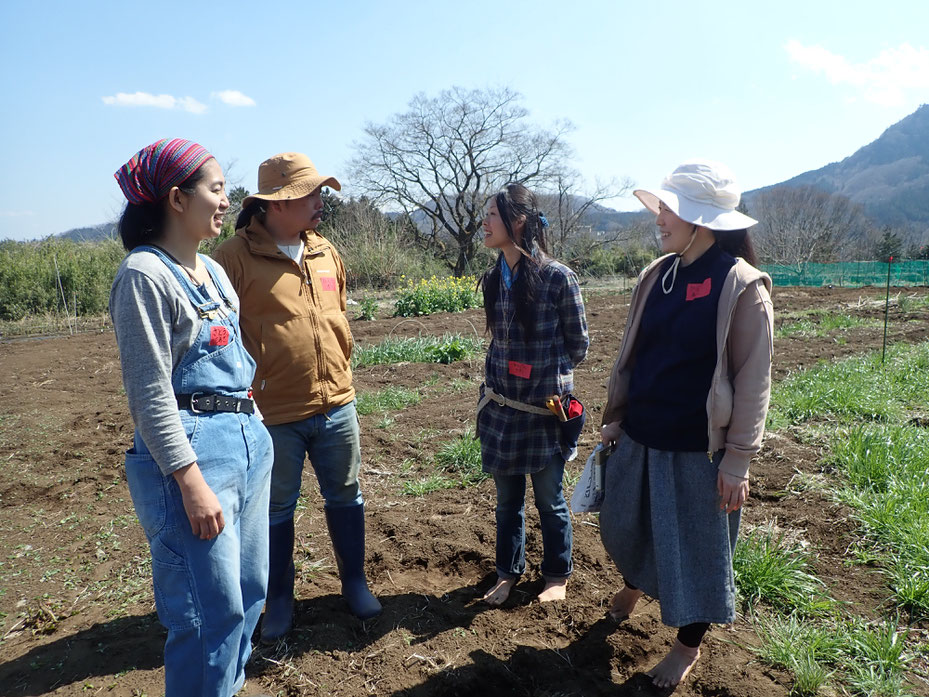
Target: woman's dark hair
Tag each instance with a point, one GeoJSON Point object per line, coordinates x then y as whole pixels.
{"type": "Point", "coordinates": [143, 223]}
{"type": "Point", "coordinates": [255, 207]}
{"type": "Point", "coordinates": [738, 243]}
{"type": "Point", "coordinates": [513, 201]}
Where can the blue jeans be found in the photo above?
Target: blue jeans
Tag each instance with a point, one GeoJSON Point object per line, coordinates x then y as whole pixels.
{"type": "Point", "coordinates": [554, 518]}
{"type": "Point", "coordinates": [208, 593]}
{"type": "Point", "coordinates": [333, 443]}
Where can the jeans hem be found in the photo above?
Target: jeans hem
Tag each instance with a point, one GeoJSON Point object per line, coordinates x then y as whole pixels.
{"type": "Point", "coordinates": [508, 575]}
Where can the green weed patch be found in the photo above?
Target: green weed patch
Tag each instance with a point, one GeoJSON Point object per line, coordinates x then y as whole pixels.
{"type": "Point", "coordinates": [428, 349]}
{"type": "Point", "coordinates": [856, 389]}
{"type": "Point", "coordinates": [886, 482]}
{"type": "Point", "coordinates": [823, 325]}
{"type": "Point", "coordinates": [389, 399]}
{"type": "Point", "coordinates": [457, 464]}
{"type": "Point", "coordinates": [868, 659]}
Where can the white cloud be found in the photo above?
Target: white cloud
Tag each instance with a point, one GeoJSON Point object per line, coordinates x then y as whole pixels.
{"type": "Point", "coordinates": [159, 101]}
{"type": "Point", "coordinates": [233, 98]}
{"type": "Point", "coordinates": [885, 79]}
{"type": "Point", "coordinates": [15, 214]}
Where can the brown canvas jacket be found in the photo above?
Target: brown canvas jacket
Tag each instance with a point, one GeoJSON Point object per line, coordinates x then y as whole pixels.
{"type": "Point", "coordinates": [737, 403]}
{"type": "Point", "coordinates": [293, 322]}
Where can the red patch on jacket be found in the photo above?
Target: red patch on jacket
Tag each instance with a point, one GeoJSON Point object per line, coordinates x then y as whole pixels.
{"type": "Point", "coordinates": [699, 290]}
{"type": "Point", "coordinates": [329, 283]}
{"type": "Point", "coordinates": [219, 336]}
{"type": "Point", "coordinates": [520, 370]}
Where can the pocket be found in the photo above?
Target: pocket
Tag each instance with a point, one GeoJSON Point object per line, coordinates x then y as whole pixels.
{"type": "Point", "coordinates": [289, 361]}
{"type": "Point", "coordinates": [174, 596]}
{"type": "Point", "coordinates": [147, 488]}
{"type": "Point", "coordinates": [337, 352]}
{"type": "Point", "coordinates": [572, 428]}
{"type": "Point", "coordinates": [191, 423]}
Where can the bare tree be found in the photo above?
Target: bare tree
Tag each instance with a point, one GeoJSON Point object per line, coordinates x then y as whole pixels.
{"type": "Point", "coordinates": [802, 225]}
{"type": "Point", "coordinates": [568, 210]}
{"type": "Point", "coordinates": [441, 159]}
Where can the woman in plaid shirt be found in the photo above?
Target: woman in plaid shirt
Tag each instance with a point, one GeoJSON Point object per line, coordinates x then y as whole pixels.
{"type": "Point", "coordinates": [535, 315]}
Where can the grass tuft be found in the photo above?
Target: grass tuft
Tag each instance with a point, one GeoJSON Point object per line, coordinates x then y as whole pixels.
{"type": "Point", "coordinates": [462, 456]}
{"type": "Point", "coordinates": [388, 399]}
{"type": "Point", "coordinates": [825, 324]}
{"type": "Point", "coordinates": [771, 569]}
{"type": "Point", "coordinates": [884, 468]}
{"type": "Point", "coordinates": [426, 485]}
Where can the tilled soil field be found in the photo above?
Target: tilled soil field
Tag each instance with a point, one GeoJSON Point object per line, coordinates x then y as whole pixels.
{"type": "Point", "coordinates": [76, 607]}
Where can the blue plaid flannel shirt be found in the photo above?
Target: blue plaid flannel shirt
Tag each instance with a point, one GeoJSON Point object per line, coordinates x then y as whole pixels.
{"type": "Point", "coordinates": [515, 442]}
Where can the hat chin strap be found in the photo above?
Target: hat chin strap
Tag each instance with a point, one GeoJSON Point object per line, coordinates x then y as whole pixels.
{"type": "Point", "coordinates": [672, 272]}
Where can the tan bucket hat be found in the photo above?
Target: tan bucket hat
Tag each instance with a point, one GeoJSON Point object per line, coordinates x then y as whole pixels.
{"type": "Point", "coordinates": [289, 175]}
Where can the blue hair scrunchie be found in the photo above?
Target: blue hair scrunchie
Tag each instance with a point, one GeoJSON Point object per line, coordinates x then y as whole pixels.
{"type": "Point", "coordinates": [543, 219]}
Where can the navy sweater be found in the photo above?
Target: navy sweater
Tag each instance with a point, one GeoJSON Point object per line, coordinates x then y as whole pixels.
{"type": "Point", "coordinates": [675, 356]}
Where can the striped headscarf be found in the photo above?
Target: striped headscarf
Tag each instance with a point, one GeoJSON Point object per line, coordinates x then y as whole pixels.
{"type": "Point", "coordinates": [150, 174]}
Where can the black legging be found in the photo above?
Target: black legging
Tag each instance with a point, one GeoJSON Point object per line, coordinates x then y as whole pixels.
{"type": "Point", "coordinates": [689, 635]}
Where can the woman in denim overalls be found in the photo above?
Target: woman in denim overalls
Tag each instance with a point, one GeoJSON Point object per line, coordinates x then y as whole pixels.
{"type": "Point", "coordinates": [199, 469]}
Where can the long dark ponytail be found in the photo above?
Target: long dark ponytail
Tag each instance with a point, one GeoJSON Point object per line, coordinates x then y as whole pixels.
{"type": "Point", "coordinates": [255, 207]}
{"type": "Point", "coordinates": [515, 201]}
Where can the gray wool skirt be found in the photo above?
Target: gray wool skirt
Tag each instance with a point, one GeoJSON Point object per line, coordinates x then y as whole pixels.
{"type": "Point", "coordinates": [662, 526]}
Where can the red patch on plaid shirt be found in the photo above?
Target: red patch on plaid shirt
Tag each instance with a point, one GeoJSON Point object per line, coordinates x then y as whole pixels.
{"type": "Point", "coordinates": [699, 290]}
{"type": "Point", "coordinates": [219, 336]}
{"type": "Point", "coordinates": [520, 370]}
{"type": "Point", "coordinates": [329, 283]}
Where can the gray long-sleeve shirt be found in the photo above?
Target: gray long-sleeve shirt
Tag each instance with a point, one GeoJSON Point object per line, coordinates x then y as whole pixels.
{"type": "Point", "coordinates": [156, 324]}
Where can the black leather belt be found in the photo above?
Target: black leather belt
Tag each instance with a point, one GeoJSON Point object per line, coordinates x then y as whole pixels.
{"type": "Point", "coordinates": [200, 402]}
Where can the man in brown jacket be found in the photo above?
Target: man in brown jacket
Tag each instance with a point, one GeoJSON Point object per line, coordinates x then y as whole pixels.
{"type": "Point", "coordinates": [291, 284]}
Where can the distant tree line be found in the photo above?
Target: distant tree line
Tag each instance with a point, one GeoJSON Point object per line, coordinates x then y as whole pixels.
{"type": "Point", "coordinates": [802, 225]}
{"type": "Point", "coordinates": [432, 169]}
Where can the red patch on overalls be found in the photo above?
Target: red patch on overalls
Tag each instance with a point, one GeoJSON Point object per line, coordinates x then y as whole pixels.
{"type": "Point", "coordinates": [520, 370]}
{"type": "Point", "coordinates": [219, 336]}
{"type": "Point", "coordinates": [329, 283]}
{"type": "Point", "coordinates": [699, 290]}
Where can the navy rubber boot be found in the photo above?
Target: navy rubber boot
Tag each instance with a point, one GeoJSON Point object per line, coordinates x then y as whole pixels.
{"type": "Point", "coordinates": [347, 531]}
{"type": "Point", "coordinates": [279, 605]}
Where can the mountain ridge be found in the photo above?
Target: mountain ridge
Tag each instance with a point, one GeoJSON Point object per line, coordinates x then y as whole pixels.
{"type": "Point", "coordinates": [889, 176]}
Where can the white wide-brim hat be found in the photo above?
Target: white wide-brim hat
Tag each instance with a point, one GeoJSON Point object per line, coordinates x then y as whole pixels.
{"type": "Point", "coordinates": [701, 192]}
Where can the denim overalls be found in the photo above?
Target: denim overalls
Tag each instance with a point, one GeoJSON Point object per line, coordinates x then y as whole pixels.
{"type": "Point", "coordinates": [208, 593]}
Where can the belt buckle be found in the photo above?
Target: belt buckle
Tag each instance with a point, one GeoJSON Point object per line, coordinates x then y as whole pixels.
{"type": "Point", "coordinates": [193, 399]}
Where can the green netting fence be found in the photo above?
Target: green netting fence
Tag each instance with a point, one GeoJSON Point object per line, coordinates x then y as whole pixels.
{"type": "Point", "coordinates": [850, 274]}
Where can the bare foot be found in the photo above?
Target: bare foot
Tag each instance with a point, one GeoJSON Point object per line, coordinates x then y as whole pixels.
{"type": "Point", "coordinates": [674, 667]}
{"type": "Point", "coordinates": [624, 603]}
{"type": "Point", "coordinates": [554, 590]}
{"type": "Point", "coordinates": [497, 595]}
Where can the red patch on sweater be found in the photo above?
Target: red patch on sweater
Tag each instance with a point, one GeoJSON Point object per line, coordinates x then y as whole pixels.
{"type": "Point", "coordinates": [699, 290]}
{"type": "Point", "coordinates": [219, 336]}
{"type": "Point", "coordinates": [520, 370]}
{"type": "Point", "coordinates": [328, 283]}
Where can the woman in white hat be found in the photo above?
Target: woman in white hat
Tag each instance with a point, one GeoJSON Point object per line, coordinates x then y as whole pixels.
{"type": "Point", "coordinates": [686, 409]}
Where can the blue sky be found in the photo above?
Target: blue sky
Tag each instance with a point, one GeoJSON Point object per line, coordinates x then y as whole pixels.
{"type": "Point", "coordinates": [772, 89]}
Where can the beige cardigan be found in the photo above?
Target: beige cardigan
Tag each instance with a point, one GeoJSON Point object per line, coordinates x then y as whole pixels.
{"type": "Point", "coordinates": [737, 403]}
